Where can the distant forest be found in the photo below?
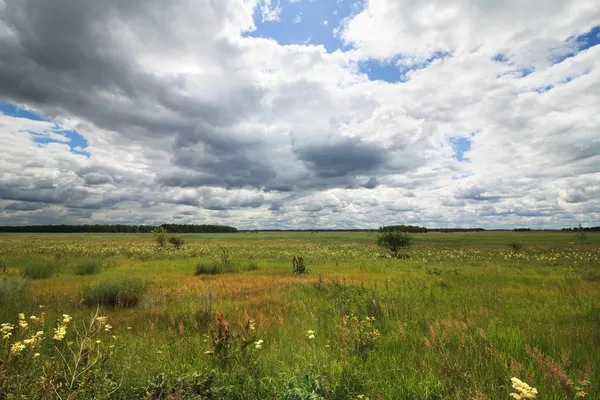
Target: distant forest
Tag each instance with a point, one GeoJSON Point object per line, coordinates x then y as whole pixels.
{"type": "Point", "coordinates": [422, 229]}
{"type": "Point", "coordinates": [577, 229]}
{"type": "Point", "coordinates": [170, 228]}
{"type": "Point", "coordinates": [180, 228]}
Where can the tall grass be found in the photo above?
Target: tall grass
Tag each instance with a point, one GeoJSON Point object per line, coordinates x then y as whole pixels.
{"type": "Point", "coordinates": [39, 270]}
{"type": "Point", "coordinates": [119, 293]}
{"type": "Point", "coordinates": [11, 286]}
{"type": "Point", "coordinates": [91, 267]}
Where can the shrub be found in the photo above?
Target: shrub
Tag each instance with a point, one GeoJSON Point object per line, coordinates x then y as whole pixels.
{"type": "Point", "coordinates": [122, 293]}
{"type": "Point", "coordinates": [177, 241]}
{"type": "Point", "coordinates": [209, 269]}
{"type": "Point", "coordinates": [89, 268]}
{"type": "Point", "coordinates": [394, 241]}
{"type": "Point", "coordinates": [160, 236]}
{"type": "Point", "coordinates": [11, 286]}
{"type": "Point", "coordinates": [298, 266]}
{"type": "Point", "coordinates": [39, 270]}
{"type": "Point", "coordinates": [251, 266]}
{"type": "Point", "coordinates": [516, 246]}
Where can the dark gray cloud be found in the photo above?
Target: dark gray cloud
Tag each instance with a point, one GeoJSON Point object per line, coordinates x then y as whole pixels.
{"type": "Point", "coordinates": [24, 206]}
{"type": "Point", "coordinates": [343, 158]}
{"type": "Point", "coordinates": [371, 183]}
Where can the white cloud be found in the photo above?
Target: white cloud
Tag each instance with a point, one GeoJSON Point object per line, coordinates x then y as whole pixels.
{"type": "Point", "coordinates": [244, 131]}
{"type": "Point", "coordinates": [297, 19]}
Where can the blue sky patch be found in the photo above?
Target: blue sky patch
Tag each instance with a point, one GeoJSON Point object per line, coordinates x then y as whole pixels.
{"type": "Point", "coordinates": [306, 22]}
{"type": "Point", "coordinates": [393, 70]}
{"type": "Point", "coordinates": [76, 142]}
{"type": "Point", "coordinates": [460, 145]}
{"type": "Point", "coordinates": [579, 43]}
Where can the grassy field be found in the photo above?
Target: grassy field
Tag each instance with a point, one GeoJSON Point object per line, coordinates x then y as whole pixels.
{"type": "Point", "coordinates": [456, 317]}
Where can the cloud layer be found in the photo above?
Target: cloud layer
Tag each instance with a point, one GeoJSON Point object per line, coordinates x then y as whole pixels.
{"type": "Point", "coordinates": [189, 119]}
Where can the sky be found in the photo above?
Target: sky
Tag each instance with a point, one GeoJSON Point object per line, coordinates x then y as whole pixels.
{"type": "Point", "coordinates": [299, 114]}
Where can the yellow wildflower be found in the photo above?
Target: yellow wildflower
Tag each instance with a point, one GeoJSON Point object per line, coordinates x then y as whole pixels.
{"type": "Point", "coordinates": [16, 348]}
{"type": "Point", "coordinates": [60, 332]}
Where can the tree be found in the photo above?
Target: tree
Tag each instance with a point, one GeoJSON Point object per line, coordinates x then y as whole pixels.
{"type": "Point", "coordinates": [160, 236]}
{"type": "Point", "coordinates": [394, 241]}
{"type": "Point", "coordinates": [581, 236]}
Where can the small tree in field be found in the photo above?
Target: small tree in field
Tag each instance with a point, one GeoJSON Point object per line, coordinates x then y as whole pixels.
{"type": "Point", "coordinates": [394, 241]}
{"type": "Point", "coordinates": [581, 236]}
{"type": "Point", "coordinates": [160, 236]}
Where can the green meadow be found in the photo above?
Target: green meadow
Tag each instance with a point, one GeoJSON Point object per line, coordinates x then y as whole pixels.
{"type": "Point", "coordinates": [456, 316]}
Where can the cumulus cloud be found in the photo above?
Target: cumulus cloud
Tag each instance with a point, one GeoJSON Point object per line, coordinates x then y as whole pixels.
{"type": "Point", "coordinates": [187, 117]}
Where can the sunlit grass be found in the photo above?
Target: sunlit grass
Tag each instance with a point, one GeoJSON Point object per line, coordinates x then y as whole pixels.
{"type": "Point", "coordinates": [454, 321]}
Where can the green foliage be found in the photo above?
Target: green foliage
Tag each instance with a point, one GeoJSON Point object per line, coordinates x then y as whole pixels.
{"type": "Point", "coordinates": [394, 241]}
{"type": "Point", "coordinates": [298, 266]}
{"type": "Point", "coordinates": [160, 236]}
{"type": "Point", "coordinates": [209, 269]}
{"type": "Point", "coordinates": [91, 267]}
{"type": "Point", "coordinates": [39, 270]}
{"type": "Point", "coordinates": [192, 386]}
{"type": "Point", "coordinates": [515, 246]}
{"type": "Point", "coordinates": [11, 286]}
{"type": "Point", "coordinates": [580, 234]}
{"type": "Point", "coordinates": [177, 241]}
{"type": "Point", "coordinates": [121, 293]}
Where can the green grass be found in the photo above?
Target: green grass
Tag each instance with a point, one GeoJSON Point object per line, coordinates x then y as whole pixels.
{"type": "Point", "coordinates": [39, 270]}
{"type": "Point", "coordinates": [92, 267]}
{"type": "Point", "coordinates": [455, 319]}
{"type": "Point", "coordinates": [121, 293]}
{"type": "Point", "coordinates": [11, 287]}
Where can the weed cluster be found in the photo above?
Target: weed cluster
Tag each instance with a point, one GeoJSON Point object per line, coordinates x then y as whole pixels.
{"type": "Point", "coordinates": [298, 266]}
{"type": "Point", "coordinates": [120, 293]}
{"type": "Point", "coordinates": [89, 268]}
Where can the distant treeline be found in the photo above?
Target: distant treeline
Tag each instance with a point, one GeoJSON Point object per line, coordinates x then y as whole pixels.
{"type": "Point", "coordinates": [171, 228]}
{"type": "Point", "coordinates": [588, 229]}
{"type": "Point", "coordinates": [422, 229]}
{"type": "Point", "coordinates": [403, 228]}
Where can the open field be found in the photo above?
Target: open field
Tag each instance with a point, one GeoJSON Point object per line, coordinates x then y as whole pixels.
{"type": "Point", "coordinates": [457, 318]}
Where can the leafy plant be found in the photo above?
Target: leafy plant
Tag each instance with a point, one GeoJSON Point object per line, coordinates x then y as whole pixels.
{"type": "Point", "coordinates": [122, 293]}
{"type": "Point", "coordinates": [160, 236]}
{"type": "Point", "coordinates": [515, 246]}
{"type": "Point", "coordinates": [177, 241]}
{"type": "Point", "coordinates": [394, 241]}
{"type": "Point", "coordinates": [298, 266]}
{"type": "Point", "coordinates": [580, 234]}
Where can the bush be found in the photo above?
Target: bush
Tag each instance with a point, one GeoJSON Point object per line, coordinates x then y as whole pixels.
{"type": "Point", "coordinates": [160, 236]}
{"type": "Point", "coordinates": [122, 293]}
{"type": "Point", "coordinates": [39, 270]}
{"type": "Point", "coordinates": [209, 269]}
{"type": "Point", "coordinates": [177, 241]}
{"type": "Point", "coordinates": [89, 268]}
{"type": "Point", "coordinates": [394, 241]}
{"type": "Point", "coordinates": [298, 266]}
{"type": "Point", "coordinates": [516, 246]}
{"type": "Point", "coordinates": [11, 286]}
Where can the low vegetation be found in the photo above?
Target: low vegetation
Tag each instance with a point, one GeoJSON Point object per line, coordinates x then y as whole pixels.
{"type": "Point", "coordinates": [116, 293]}
{"type": "Point", "coordinates": [394, 241]}
{"type": "Point", "coordinates": [453, 316]}
{"type": "Point", "coordinates": [92, 267]}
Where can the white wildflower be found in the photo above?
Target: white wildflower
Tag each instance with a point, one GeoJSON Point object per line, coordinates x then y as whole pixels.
{"type": "Point", "coordinates": [524, 391]}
